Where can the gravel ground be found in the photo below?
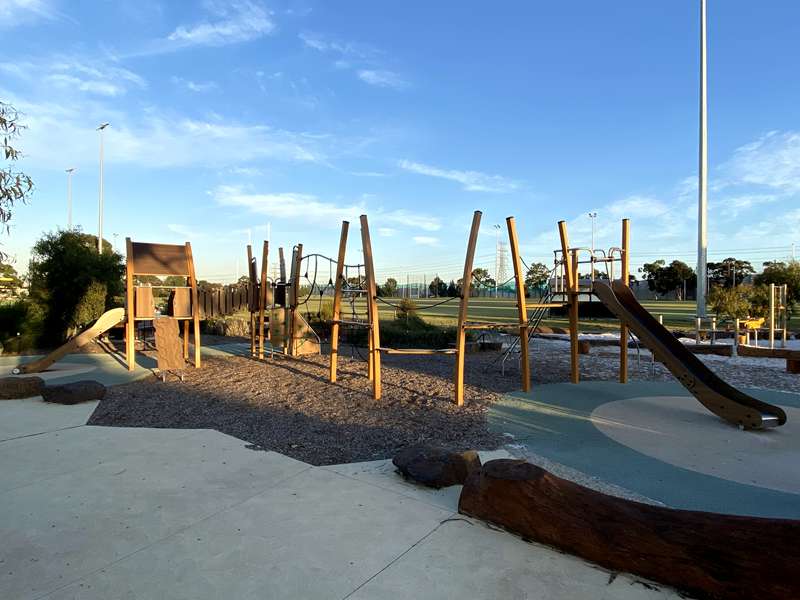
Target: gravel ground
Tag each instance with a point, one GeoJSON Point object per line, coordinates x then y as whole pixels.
{"type": "Point", "coordinates": [290, 407]}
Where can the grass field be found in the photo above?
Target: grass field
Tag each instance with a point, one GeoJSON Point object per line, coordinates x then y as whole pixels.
{"type": "Point", "coordinates": [676, 315]}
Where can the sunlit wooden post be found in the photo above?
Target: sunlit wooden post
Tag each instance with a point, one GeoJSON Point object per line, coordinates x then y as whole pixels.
{"type": "Point", "coordinates": [297, 259]}
{"type": "Point", "coordinates": [195, 304]}
{"type": "Point", "coordinates": [262, 298]}
{"type": "Point", "coordinates": [337, 299]}
{"type": "Point", "coordinates": [625, 277]}
{"type": "Point", "coordinates": [522, 309]}
{"type": "Point", "coordinates": [572, 287]}
{"type": "Point", "coordinates": [251, 273]}
{"type": "Point", "coordinates": [130, 313]}
{"type": "Point", "coordinates": [372, 310]}
{"type": "Point", "coordinates": [466, 284]}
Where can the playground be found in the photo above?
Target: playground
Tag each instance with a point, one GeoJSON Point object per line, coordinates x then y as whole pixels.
{"type": "Point", "coordinates": [701, 424]}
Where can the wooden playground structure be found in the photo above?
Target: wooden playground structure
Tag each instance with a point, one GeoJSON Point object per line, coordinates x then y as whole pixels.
{"type": "Point", "coordinates": [372, 323]}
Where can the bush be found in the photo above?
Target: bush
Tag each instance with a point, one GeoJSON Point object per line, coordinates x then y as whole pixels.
{"type": "Point", "coordinates": [406, 308]}
{"type": "Point", "coordinates": [732, 302]}
{"type": "Point", "coordinates": [64, 268]}
{"type": "Point", "coordinates": [20, 325]}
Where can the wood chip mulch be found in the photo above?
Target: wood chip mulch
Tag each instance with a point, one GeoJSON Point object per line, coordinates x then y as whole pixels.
{"type": "Point", "coordinates": [289, 406]}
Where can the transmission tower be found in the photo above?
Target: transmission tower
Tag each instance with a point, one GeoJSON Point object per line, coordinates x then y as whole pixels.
{"type": "Point", "coordinates": [500, 259]}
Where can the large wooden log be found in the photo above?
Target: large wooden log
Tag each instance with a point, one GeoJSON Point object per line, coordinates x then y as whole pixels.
{"type": "Point", "coordinates": [705, 554]}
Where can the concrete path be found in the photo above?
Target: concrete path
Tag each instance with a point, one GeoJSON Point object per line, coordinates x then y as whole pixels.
{"type": "Point", "coordinates": [100, 513]}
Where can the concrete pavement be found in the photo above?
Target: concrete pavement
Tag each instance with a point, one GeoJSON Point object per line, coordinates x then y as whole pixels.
{"type": "Point", "coordinates": [94, 512]}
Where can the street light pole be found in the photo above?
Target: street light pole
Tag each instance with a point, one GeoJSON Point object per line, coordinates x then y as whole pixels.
{"type": "Point", "coordinates": [101, 128]}
{"type": "Point", "coordinates": [702, 199]}
{"type": "Point", "coordinates": [592, 216]}
{"type": "Point", "coordinates": [69, 197]}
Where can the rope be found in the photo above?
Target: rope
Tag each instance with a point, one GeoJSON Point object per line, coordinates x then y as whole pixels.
{"type": "Point", "coordinates": [419, 308]}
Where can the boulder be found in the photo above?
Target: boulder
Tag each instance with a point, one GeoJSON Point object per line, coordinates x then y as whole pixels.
{"type": "Point", "coordinates": [73, 393]}
{"type": "Point", "coordinates": [12, 388]}
{"type": "Point", "coordinates": [708, 555]}
{"type": "Point", "coordinates": [436, 467]}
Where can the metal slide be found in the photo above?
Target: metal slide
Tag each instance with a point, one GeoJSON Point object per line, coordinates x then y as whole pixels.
{"type": "Point", "coordinates": [720, 398]}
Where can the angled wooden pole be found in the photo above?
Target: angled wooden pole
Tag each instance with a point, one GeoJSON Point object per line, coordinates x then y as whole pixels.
{"type": "Point", "coordinates": [130, 312]}
{"type": "Point", "coordinates": [251, 275]}
{"type": "Point", "coordinates": [466, 284]}
{"type": "Point", "coordinates": [624, 276]}
{"type": "Point", "coordinates": [281, 265]}
{"type": "Point", "coordinates": [195, 304]}
{"type": "Point", "coordinates": [522, 309]}
{"type": "Point", "coordinates": [337, 300]}
{"type": "Point", "coordinates": [372, 310]}
{"type": "Point", "coordinates": [262, 298]}
{"type": "Point", "coordinates": [572, 287]}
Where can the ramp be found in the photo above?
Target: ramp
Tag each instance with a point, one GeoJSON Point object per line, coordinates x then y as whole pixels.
{"type": "Point", "coordinates": [716, 395]}
{"type": "Point", "coordinates": [106, 321]}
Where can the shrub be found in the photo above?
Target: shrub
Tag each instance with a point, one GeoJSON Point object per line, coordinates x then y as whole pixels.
{"type": "Point", "coordinates": [406, 308]}
{"type": "Point", "coordinates": [20, 325]}
{"type": "Point", "coordinates": [731, 302]}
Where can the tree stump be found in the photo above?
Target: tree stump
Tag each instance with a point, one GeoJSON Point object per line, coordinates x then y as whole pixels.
{"type": "Point", "coordinates": [706, 554]}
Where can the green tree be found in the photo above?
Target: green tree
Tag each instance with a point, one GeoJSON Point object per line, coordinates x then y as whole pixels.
{"type": "Point", "coordinates": [730, 302]}
{"type": "Point", "coordinates": [64, 266]}
{"type": "Point", "coordinates": [670, 278]}
{"type": "Point", "coordinates": [15, 186]}
{"type": "Point", "coordinates": [783, 273]}
{"type": "Point", "coordinates": [390, 287]}
{"type": "Point", "coordinates": [537, 275]}
{"type": "Point", "coordinates": [174, 281]}
{"type": "Point", "coordinates": [452, 290]}
{"type": "Point", "coordinates": [437, 287]}
{"type": "Point", "coordinates": [722, 273]}
{"type": "Point", "coordinates": [9, 279]}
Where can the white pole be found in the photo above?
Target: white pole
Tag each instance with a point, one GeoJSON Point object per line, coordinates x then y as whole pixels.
{"type": "Point", "coordinates": [771, 316]}
{"type": "Point", "coordinates": [69, 197]}
{"type": "Point", "coordinates": [702, 200]}
{"type": "Point", "coordinates": [101, 128]}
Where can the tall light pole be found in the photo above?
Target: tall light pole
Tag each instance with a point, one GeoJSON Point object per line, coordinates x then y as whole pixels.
{"type": "Point", "coordinates": [592, 216]}
{"type": "Point", "coordinates": [702, 192]}
{"type": "Point", "coordinates": [69, 197]}
{"type": "Point", "coordinates": [101, 128]}
{"type": "Point", "coordinates": [496, 258]}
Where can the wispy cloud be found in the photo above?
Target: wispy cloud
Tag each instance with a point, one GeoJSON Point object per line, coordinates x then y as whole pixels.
{"type": "Point", "coordinates": [184, 231]}
{"type": "Point", "coordinates": [425, 240]}
{"type": "Point", "coordinates": [402, 217]}
{"type": "Point", "coordinates": [288, 205]}
{"type": "Point", "coordinates": [471, 181]}
{"type": "Point", "coordinates": [229, 23]}
{"type": "Point", "coordinates": [386, 231]}
{"type": "Point", "coordinates": [20, 12]}
{"type": "Point", "coordinates": [157, 139]}
{"type": "Point", "coordinates": [773, 160]}
{"type": "Point", "coordinates": [382, 78]}
{"type": "Point", "coordinates": [73, 74]}
{"type": "Point", "coordinates": [194, 86]}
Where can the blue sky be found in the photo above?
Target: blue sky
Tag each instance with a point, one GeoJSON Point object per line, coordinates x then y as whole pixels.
{"type": "Point", "coordinates": [229, 114]}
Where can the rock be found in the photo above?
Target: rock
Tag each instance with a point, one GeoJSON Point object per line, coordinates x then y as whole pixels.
{"type": "Point", "coordinates": [708, 555]}
{"type": "Point", "coordinates": [12, 388]}
{"type": "Point", "coordinates": [584, 347]}
{"type": "Point", "coordinates": [73, 393]}
{"type": "Point", "coordinates": [436, 467]}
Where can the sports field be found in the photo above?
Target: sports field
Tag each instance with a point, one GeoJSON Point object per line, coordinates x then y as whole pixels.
{"type": "Point", "coordinates": [676, 315]}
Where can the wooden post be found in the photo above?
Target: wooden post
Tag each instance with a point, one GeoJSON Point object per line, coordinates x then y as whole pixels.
{"type": "Point", "coordinates": [130, 312]}
{"type": "Point", "coordinates": [466, 284]}
{"type": "Point", "coordinates": [522, 309]}
{"type": "Point", "coordinates": [262, 298]}
{"type": "Point", "coordinates": [625, 268]}
{"type": "Point", "coordinates": [186, 339]}
{"type": "Point", "coordinates": [195, 305]}
{"type": "Point", "coordinates": [281, 265]}
{"type": "Point", "coordinates": [372, 310]}
{"type": "Point", "coordinates": [572, 287]}
{"type": "Point", "coordinates": [251, 274]}
{"type": "Point", "coordinates": [337, 300]}
{"type": "Point", "coordinates": [296, 264]}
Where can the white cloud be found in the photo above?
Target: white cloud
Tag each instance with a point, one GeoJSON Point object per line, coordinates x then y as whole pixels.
{"type": "Point", "coordinates": [773, 160]}
{"type": "Point", "coordinates": [237, 21]}
{"type": "Point", "coordinates": [20, 12]}
{"type": "Point", "coordinates": [194, 86]}
{"type": "Point", "coordinates": [184, 231]}
{"type": "Point", "coordinates": [382, 78]}
{"type": "Point", "coordinates": [386, 231]}
{"type": "Point", "coordinates": [471, 181]}
{"type": "Point", "coordinates": [155, 139]}
{"type": "Point", "coordinates": [72, 75]}
{"type": "Point", "coordinates": [288, 205]}
{"type": "Point", "coordinates": [409, 219]}
{"type": "Point", "coordinates": [425, 240]}
{"type": "Point", "coordinates": [323, 43]}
